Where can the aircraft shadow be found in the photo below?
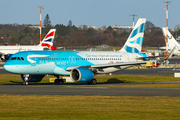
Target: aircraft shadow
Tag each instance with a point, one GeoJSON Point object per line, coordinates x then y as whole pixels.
{"type": "Point", "coordinates": [109, 81]}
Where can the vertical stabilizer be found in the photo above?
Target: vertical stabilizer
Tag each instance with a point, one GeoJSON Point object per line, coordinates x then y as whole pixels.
{"type": "Point", "coordinates": [49, 39]}
{"type": "Point", "coordinates": [171, 41]}
{"type": "Point", "coordinates": [135, 39]}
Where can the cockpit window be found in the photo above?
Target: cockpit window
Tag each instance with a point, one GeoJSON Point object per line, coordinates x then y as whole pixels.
{"type": "Point", "coordinates": [22, 58]}
{"type": "Point", "coordinates": [18, 58]}
{"type": "Point", "coordinates": [13, 58]}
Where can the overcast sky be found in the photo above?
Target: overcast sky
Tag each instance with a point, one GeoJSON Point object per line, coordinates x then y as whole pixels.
{"type": "Point", "coordinates": [89, 12]}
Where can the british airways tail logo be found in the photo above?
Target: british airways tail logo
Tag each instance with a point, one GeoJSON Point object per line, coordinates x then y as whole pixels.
{"type": "Point", "coordinates": [49, 37]}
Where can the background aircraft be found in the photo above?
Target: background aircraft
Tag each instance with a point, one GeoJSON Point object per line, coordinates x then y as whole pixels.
{"type": "Point", "coordinates": [47, 43]}
{"type": "Point", "coordinates": [171, 42]}
{"type": "Point", "coordinates": [81, 66]}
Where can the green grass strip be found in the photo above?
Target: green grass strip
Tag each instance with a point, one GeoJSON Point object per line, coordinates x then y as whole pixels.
{"type": "Point", "coordinates": [20, 107]}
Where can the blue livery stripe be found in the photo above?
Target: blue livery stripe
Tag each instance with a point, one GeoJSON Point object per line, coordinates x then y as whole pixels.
{"type": "Point", "coordinates": [140, 29]}
{"type": "Point", "coordinates": [131, 49]}
{"type": "Point", "coordinates": [134, 33]}
{"type": "Point", "coordinates": [136, 50]}
{"type": "Point", "coordinates": [137, 41]}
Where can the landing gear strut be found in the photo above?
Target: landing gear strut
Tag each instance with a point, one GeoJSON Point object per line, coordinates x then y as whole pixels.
{"type": "Point", "coordinates": [92, 82]}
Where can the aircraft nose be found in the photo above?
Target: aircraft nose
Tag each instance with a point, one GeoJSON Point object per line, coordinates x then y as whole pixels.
{"type": "Point", "coordinates": [7, 67]}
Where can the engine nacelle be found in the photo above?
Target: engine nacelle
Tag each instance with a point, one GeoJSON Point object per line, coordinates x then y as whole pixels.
{"type": "Point", "coordinates": [31, 78]}
{"type": "Point", "coordinates": [81, 75]}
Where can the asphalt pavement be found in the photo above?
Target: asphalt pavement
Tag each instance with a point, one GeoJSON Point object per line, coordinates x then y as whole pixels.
{"type": "Point", "coordinates": [88, 91]}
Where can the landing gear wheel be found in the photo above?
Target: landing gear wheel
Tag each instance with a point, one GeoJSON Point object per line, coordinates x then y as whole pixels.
{"type": "Point", "coordinates": [59, 82]}
{"type": "Point", "coordinates": [92, 82]}
{"type": "Point", "coordinates": [25, 83]}
{"type": "Point", "coordinates": [56, 81]}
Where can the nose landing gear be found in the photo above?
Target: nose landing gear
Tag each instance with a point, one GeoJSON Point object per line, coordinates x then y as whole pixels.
{"type": "Point", "coordinates": [25, 78]}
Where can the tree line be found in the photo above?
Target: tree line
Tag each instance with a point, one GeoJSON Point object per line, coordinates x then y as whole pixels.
{"type": "Point", "coordinates": [70, 35]}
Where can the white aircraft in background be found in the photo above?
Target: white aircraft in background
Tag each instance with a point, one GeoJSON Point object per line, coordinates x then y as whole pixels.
{"type": "Point", "coordinates": [46, 44]}
{"type": "Point", "coordinates": [171, 42]}
{"type": "Point", "coordinates": [81, 66]}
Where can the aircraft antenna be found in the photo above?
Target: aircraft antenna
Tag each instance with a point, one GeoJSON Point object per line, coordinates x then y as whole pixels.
{"type": "Point", "coordinates": [40, 21]}
{"type": "Point", "coordinates": [167, 3]}
{"type": "Point", "coordinates": [133, 19]}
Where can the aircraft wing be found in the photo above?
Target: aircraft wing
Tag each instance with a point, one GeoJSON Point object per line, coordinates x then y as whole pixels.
{"type": "Point", "coordinates": [141, 58]}
{"type": "Point", "coordinates": [111, 65]}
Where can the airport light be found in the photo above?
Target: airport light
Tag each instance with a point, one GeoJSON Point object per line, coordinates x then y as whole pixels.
{"type": "Point", "coordinates": [40, 21]}
{"type": "Point", "coordinates": [167, 3]}
{"type": "Point", "coordinates": [133, 19]}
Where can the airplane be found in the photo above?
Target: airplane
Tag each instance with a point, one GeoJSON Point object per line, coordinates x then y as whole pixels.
{"type": "Point", "coordinates": [46, 44]}
{"type": "Point", "coordinates": [171, 42]}
{"type": "Point", "coordinates": [81, 66]}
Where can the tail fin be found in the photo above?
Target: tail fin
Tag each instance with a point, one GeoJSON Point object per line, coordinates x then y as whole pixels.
{"type": "Point", "coordinates": [171, 40]}
{"type": "Point", "coordinates": [49, 39]}
{"type": "Point", "coordinates": [135, 39]}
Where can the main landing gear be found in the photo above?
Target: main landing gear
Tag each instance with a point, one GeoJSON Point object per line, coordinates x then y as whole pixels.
{"type": "Point", "coordinates": [92, 82]}
{"type": "Point", "coordinates": [58, 81]}
{"type": "Point", "coordinates": [61, 81]}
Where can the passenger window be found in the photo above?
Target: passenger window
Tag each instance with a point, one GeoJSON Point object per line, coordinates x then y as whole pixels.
{"type": "Point", "coordinates": [13, 58]}
{"type": "Point", "coordinates": [18, 58]}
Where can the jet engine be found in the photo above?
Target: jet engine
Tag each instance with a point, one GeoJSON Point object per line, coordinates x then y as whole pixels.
{"type": "Point", "coordinates": [81, 75]}
{"type": "Point", "coordinates": [31, 78]}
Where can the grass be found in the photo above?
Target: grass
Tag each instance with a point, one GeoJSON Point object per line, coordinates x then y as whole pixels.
{"type": "Point", "coordinates": [13, 79]}
{"type": "Point", "coordinates": [88, 107]}
{"type": "Point", "coordinates": [21, 107]}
